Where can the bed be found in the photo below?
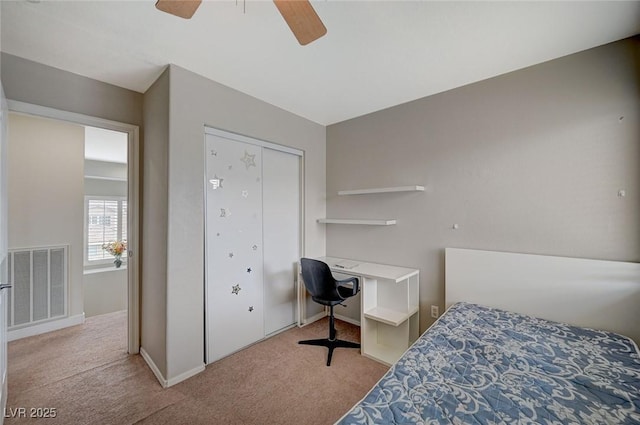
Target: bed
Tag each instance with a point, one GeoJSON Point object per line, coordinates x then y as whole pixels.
{"type": "Point", "coordinates": [487, 364]}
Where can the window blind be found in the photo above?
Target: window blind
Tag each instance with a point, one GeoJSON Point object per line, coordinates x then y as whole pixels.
{"type": "Point", "coordinates": [106, 222]}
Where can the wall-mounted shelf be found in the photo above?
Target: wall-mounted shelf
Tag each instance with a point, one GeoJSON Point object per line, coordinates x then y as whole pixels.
{"type": "Point", "coordinates": [380, 222]}
{"type": "Point", "coordinates": [115, 179]}
{"type": "Point", "coordinates": [382, 190]}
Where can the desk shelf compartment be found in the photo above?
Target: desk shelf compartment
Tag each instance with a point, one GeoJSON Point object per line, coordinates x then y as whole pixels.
{"type": "Point", "coordinates": [390, 319]}
{"type": "Point", "coordinates": [386, 343]}
{"type": "Point", "coordinates": [389, 316]}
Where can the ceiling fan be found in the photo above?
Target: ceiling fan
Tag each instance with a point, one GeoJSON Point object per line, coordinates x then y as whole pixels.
{"type": "Point", "coordinates": [298, 14]}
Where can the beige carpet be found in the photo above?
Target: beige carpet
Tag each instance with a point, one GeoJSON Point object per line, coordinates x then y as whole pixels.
{"type": "Point", "coordinates": [85, 374]}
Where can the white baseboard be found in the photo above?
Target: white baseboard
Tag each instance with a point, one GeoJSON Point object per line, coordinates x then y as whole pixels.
{"type": "Point", "coordinates": [164, 382]}
{"type": "Point", "coordinates": [312, 319]}
{"type": "Point", "coordinates": [153, 367]}
{"type": "Point", "coordinates": [45, 327]}
{"type": "Point", "coordinates": [347, 319]}
{"type": "Point", "coordinates": [186, 375]}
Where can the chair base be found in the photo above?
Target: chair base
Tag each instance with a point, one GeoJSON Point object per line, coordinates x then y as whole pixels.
{"type": "Point", "coordinates": [331, 345]}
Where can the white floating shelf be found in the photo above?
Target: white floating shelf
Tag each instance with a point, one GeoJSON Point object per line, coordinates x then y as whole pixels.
{"type": "Point", "coordinates": [388, 316]}
{"type": "Point", "coordinates": [382, 222]}
{"type": "Point", "coordinates": [382, 190]}
{"type": "Point", "coordinates": [116, 179]}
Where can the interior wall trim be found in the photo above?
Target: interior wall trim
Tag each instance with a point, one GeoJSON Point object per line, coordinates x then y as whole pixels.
{"type": "Point", "coordinates": [246, 139]}
{"type": "Point", "coordinates": [154, 368]}
{"type": "Point", "coordinates": [41, 328]}
{"type": "Point", "coordinates": [186, 375]}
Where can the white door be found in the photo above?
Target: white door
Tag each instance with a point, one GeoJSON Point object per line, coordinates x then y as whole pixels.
{"type": "Point", "coordinates": [281, 218]}
{"type": "Point", "coordinates": [234, 290]}
{"type": "Point", "coordinates": [252, 237]}
{"type": "Point", "coordinates": [3, 252]}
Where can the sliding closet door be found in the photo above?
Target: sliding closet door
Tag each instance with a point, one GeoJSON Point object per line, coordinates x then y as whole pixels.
{"type": "Point", "coordinates": [281, 233]}
{"type": "Point", "coordinates": [234, 289]}
{"type": "Point", "coordinates": [252, 227]}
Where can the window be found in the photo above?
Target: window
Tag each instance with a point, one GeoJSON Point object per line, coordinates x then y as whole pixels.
{"type": "Point", "coordinates": [106, 221]}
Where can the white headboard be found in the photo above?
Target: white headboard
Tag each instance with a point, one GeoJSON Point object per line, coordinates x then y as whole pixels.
{"type": "Point", "coordinates": [591, 293]}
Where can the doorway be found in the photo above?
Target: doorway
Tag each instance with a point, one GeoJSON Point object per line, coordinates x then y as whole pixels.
{"type": "Point", "coordinates": [105, 221]}
{"type": "Point", "coordinates": [119, 212]}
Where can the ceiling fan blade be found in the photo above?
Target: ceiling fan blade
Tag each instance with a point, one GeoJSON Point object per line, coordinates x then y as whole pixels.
{"type": "Point", "coordinates": [182, 8]}
{"type": "Point", "coordinates": [302, 19]}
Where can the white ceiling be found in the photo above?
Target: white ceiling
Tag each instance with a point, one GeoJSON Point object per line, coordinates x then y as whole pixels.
{"type": "Point", "coordinates": [375, 55]}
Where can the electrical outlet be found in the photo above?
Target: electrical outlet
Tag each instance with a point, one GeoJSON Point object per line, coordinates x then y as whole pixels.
{"type": "Point", "coordinates": [435, 311]}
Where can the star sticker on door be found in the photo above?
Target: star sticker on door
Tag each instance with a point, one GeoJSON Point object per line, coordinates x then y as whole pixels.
{"type": "Point", "coordinates": [235, 289]}
{"type": "Point", "coordinates": [249, 159]}
{"type": "Point", "coordinates": [249, 270]}
{"type": "Point", "coordinates": [216, 182]}
{"type": "Point", "coordinates": [250, 309]}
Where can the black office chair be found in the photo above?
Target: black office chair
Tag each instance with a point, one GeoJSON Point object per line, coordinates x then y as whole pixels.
{"type": "Point", "coordinates": [326, 290]}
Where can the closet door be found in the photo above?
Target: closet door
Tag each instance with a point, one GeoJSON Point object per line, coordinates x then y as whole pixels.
{"type": "Point", "coordinates": [281, 233]}
{"type": "Point", "coordinates": [234, 289]}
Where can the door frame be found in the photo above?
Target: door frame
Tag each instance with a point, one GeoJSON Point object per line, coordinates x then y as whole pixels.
{"type": "Point", "coordinates": [4, 134]}
{"type": "Point", "coordinates": [133, 201]}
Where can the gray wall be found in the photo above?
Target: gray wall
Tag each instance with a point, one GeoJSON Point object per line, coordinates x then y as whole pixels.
{"type": "Point", "coordinates": [155, 172]}
{"type": "Point", "coordinates": [194, 103]}
{"type": "Point", "coordinates": [531, 161]}
{"type": "Point", "coordinates": [105, 291]}
{"type": "Point", "coordinates": [45, 197]}
{"type": "Point", "coordinates": [35, 83]}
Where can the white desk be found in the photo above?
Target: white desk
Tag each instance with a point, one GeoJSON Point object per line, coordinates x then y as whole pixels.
{"type": "Point", "coordinates": [389, 306]}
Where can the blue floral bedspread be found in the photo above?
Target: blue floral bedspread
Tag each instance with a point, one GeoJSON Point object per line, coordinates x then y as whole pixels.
{"type": "Point", "coordinates": [478, 365]}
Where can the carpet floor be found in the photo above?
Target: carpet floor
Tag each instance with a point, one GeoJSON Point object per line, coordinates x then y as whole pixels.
{"type": "Point", "coordinates": [85, 374]}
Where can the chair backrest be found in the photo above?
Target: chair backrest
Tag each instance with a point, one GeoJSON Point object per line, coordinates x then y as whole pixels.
{"type": "Point", "coordinates": [318, 280]}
